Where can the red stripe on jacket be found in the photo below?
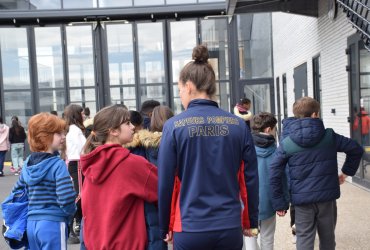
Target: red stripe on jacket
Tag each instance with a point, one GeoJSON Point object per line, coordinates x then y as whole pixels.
{"type": "Point", "coordinates": [244, 197]}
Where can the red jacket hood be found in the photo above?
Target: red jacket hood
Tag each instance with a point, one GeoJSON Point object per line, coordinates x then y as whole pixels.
{"type": "Point", "coordinates": [99, 163]}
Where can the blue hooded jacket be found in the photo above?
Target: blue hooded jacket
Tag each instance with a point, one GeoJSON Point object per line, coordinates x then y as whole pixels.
{"type": "Point", "coordinates": [49, 187]}
{"type": "Point", "coordinates": [312, 160]}
{"type": "Point", "coordinates": [202, 150]}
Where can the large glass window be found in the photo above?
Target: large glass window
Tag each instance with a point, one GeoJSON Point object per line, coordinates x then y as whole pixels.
{"type": "Point", "coordinates": [81, 68]}
{"type": "Point", "coordinates": [80, 4]}
{"type": "Point", "coordinates": [180, 1]}
{"type": "Point", "coordinates": [52, 100]}
{"type": "Point", "coordinates": [255, 45]}
{"type": "Point", "coordinates": [14, 4]}
{"type": "Point", "coordinates": [151, 52]}
{"type": "Point", "coordinates": [260, 96]}
{"type": "Point", "coordinates": [114, 3]}
{"type": "Point", "coordinates": [146, 2]}
{"type": "Point", "coordinates": [214, 35]}
{"type": "Point", "coordinates": [45, 4]}
{"type": "Point", "coordinates": [18, 103]}
{"type": "Point", "coordinates": [121, 64]}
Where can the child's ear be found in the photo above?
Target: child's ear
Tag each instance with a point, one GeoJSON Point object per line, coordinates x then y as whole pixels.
{"type": "Point", "coordinates": [114, 132]}
{"type": "Point", "coordinates": [315, 115]}
{"type": "Point", "coordinates": [267, 130]}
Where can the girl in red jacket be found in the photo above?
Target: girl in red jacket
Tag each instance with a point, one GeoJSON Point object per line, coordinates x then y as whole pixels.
{"type": "Point", "coordinates": [116, 185]}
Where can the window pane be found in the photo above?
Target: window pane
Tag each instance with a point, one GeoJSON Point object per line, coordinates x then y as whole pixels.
{"type": "Point", "coordinates": [14, 56]}
{"type": "Point", "coordinates": [49, 57]}
{"type": "Point", "coordinates": [80, 56]}
{"type": "Point", "coordinates": [73, 4]}
{"type": "Point", "coordinates": [177, 106]}
{"type": "Point", "coordinates": [153, 93]}
{"type": "Point", "coordinates": [84, 97]}
{"type": "Point", "coordinates": [214, 34]}
{"type": "Point", "coordinates": [14, 5]}
{"type": "Point", "coordinates": [151, 52]}
{"type": "Point", "coordinates": [124, 95]}
{"type": "Point", "coordinates": [45, 4]}
{"type": "Point", "coordinates": [259, 94]}
{"type": "Point", "coordinates": [183, 40]}
{"type": "Point", "coordinates": [19, 104]}
{"type": "Point", "coordinates": [52, 100]}
{"type": "Point", "coordinates": [210, 1]}
{"type": "Point", "coordinates": [146, 2]}
{"type": "Point", "coordinates": [120, 54]}
{"type": "Point", "coordinates": [180, 1]}
{"type": "Point", "coordinates": [255, 45]}
{"type": "Point", "coordinates": [114, 3]}
{"type": "Point", "coordinates": [223, 95]}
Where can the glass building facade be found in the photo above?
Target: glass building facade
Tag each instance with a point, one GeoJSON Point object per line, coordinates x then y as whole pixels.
{"type": "Point", "coordinates": [97, 63]}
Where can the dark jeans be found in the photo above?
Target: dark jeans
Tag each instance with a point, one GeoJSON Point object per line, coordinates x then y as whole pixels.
{"type": "Point", "coordinates": [73, 171]}
{"type": "Point", "coordinates": [230, 239]}
{"type": "Point", "coordinates": [2, 159]}
{"type": "Point", "coordinates": [320, 217]}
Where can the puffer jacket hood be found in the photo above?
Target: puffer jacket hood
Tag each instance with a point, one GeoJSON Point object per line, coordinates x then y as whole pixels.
{"type": "Point", "coordinates": [37, 166]}
{"type": "Point", "coordinates": [287, 122]}
{"type": "Point", "coordinates": [145, 138]}
{"type": "Point", "coordinates": [263, 140]}
{"type": "Point", "coordinates": [102, 161]}
{"type": "Point", "coordinates": [306, 132]}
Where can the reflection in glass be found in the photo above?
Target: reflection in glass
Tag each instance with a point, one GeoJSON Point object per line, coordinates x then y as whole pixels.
{"type": "Point", "coordinates": [183, 40]}
{"type": "Point", "coordinates": [259, 94]}
{"type": "Point", "coordinates": [49, 57]}
{"type": "Point", "coordinates": [177, 105]}
{"type": "Point", "coordinates": [214, 34]}
{"type": "Point", "coordinates": [151, 52]}
{"type": "Point", "coordinates": [80, 56]}
{"type": "Point", "coordinates": [52, 100]}
{"type": "Point", "coordinates": [14, 5]}
{"type": "Point", "coordinates": [180, 1]}
{"type": "Point", "coordinates": [210, 1]}
{"type": "Point", "coordinates": [18, 103]}
{"type": "Point", "coordinates": [15, 60]}
{"type": "Point", "coordinates": [124, 95]}
{"type": "Point", "coordinates": [45, 4]}
{"type": "Point", "coordinates": [120, 54]}
{"type": "Point", "coordinates": [114, 3]}
{"type": "Point", "coordinates": [148, 3]}
{"type": "Point", "coordinates": [222, 96]}
{"type": "Point", "coordinates": [73, 4]}
{"type": "Point", "coordinates": [84, 97]}
{"type": "Point", "coordinates": [255, 45]}
{"type": "Point", "coordinates": [153, 93]}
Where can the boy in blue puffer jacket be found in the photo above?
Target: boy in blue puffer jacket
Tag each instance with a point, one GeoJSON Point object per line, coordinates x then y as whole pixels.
{"type": "Point", "coordinates": [264, 132]}
{"type": "Point", "coordinates": [310, 150]}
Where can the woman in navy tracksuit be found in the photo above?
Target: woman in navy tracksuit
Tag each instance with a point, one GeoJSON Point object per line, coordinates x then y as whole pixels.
{"type": "Point", "coordinates": [202, 169]}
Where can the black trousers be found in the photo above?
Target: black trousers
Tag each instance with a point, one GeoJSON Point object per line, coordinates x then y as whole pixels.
{"type": "Point", "coordinates": [73, 172]}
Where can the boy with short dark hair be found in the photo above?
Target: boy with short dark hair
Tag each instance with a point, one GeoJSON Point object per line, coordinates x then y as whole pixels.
{"type": "Point", "coordinates": [310, 150]}
{"type": "Point", "coordinates": [146, 111]}
{"type": "Point", "coordinates": [49, 186]}
{"type": "Point", "coordinates": [264, 132]}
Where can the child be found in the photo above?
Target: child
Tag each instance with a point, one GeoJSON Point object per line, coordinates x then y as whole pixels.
{"type": "Point", "coordinates": [264, 132]}
{"type": "Point", "coordinates": [75, 140]}
{"type": "Point", "coordinates": [116, 185]}
{"type": "Point", "coordinates": [241, 109]}
{"type": "Point", "coordinates": [135, 146]}
{"type": "Point", "coordinates": [17, 136]}
{"type": "Point", "coordinates": [4, 144]}
{"type": "Point", "coordinates": [146, 111]}
{"type": "Point", "coordinates": [49, 186]}
{"type": "Point", "coordinates": [311, 153]}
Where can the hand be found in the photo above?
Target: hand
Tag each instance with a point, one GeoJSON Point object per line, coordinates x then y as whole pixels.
{"type": "Point", "coordinates": [281, 213]}
{"type": "Point", "coordinates": [251, 232]}
{"type": "Point", "coordinates": [342, 178]}
{"type": "Point", "coordinates": [169, 237]}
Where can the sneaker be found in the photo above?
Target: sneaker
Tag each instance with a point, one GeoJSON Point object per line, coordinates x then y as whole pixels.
{"type": "Point", "coordinates": [72, 239]}
{"type": "Point", "coordinates": [294, 239]}
{"type": "Point", "coordinates": [77, 228]}
{"type": "Point", "coordinates": [293, 229]}
{"type": "Point", "coordinates": [1, 173]}
{"type": "Point", "coordinates": [16, 173]}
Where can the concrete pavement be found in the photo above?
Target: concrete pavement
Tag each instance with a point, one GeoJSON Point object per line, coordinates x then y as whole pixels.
{"type": "Point", "coordinates": [352, 233]}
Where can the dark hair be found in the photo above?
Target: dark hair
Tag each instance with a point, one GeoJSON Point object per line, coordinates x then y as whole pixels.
{"type": "Point", "coordinates": [148, 106]}
{"type": "Point", "coordinates": [263, 120]}
{"type": "Point", "coordinates": [53, 112]}
{"type": "Point", "coordinates": [135, 118]}
{"type": "Point", "coordinates": [14, 117]}
{"type": "Point", "coordinates": [244, 101]}
{"type": "Point", "coordinates": [87, 111]}
{"type": "Point", "coordinates": [305, 107]}
{"type": "Point", "coordinates": [73, 116]}
{"type": "Point", "coordinates": [105, 120]}
{"type": "Point", "coordinates": [160, 115]}
{"type": "Point", "coordinates": [199, 71]}
{"type": "Point", "coordinates": [16, 126]}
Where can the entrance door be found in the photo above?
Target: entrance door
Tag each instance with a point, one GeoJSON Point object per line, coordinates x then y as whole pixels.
{"type": "Point", "coordinates": [359, 78]}
{"type": "Point", "coordinates": [261, 94]}
{"type": "Point", "coordinates": [300, 81]}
